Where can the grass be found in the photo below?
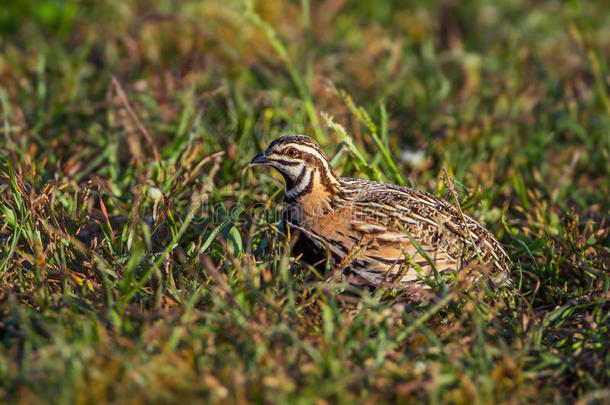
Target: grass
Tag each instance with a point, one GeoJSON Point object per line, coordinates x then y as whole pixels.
{"type": "Point", "coordinates": [140, 257]}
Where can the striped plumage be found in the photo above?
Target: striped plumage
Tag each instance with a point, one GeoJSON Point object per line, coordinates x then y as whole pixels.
{"type": "Point", "coordinates": [369, 228]}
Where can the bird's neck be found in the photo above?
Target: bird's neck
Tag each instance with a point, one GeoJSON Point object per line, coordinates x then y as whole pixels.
{"type": "Point", "coordinates": [314, 182]}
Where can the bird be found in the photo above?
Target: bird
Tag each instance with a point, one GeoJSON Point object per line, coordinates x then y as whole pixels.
{"type": "Point", "coordinates": [380, 234]}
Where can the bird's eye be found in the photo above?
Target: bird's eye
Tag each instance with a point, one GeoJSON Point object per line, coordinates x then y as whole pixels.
{"type": "Point", "coordinates": [292, 152]}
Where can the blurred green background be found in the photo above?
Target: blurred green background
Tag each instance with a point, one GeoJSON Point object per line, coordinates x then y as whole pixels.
{"type": "Point", "coordinates": [104, 104]}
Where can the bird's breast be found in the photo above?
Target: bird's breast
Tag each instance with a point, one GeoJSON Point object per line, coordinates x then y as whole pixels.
{"type": "Point", "coordinates": [319, 215]}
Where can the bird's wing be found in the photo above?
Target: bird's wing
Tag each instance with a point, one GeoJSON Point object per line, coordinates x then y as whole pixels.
{"type": "Point", "coordinates": [406, 215]}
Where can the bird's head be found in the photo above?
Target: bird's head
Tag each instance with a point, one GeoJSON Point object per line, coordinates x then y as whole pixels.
{"type": "Point", "coordinates": [301, 162]}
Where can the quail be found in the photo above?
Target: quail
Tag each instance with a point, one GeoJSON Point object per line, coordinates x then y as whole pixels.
{"type": "Point", "coordinates": [378, 232]}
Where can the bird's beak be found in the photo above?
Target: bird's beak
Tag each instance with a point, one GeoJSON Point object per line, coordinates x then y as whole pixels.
{"type": "Point", "coordinates": [260, 159]}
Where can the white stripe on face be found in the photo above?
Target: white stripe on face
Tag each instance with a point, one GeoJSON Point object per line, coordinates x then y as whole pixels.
{"type": "Point", "coordinates": [291, 172]}
{"type": "Point", "coordinates": [317, 155]}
